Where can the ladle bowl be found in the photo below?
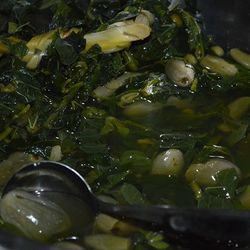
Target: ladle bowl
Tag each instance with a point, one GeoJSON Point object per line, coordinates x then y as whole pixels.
{"type": "Point", "coordinates": [188, 227]}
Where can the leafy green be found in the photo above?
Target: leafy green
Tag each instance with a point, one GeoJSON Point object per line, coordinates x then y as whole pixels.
{"type": "Point", "coordinates": [105, 10]}
{"type": "Point", "coordinates": [26, 85]}
{"type": "Point", "coordinates": [181, 141]}
{"type": "Point", "coordinates": [137, 161]}
{"type": "Point", "coordinates": [147, 53]}
{"type": "Point", "coordinates": [68, 14]}
{"type": "Point", "coordinates": [48, 3]}
{"type": "Point", "coordinates": [115, 179]}
{"type": "Point", "coordinates": [114, 125]}
{"type": "Point", "coordinates": [238, 133]}
{"type": "Point", "coordinates": [215, 198]}
{"type": "Point", "coordinates": [229, 179]}
{"type": "Point", "coordinates": [221, 196]}
{"type": "Point", "coordinates": [69, 48]}
{"type": "Point", "coordinates": [193, 30]}
{"type": "Point", "coordinates": [156, 240]}
{"type": "Point", "coordinates": [19, 49]}
{"type": "Point", "coordinates": [222, 84]}
{"type": "Point", "coordinates": [212, 150]}
{"type": "Point", "coordinates": [131, 194]}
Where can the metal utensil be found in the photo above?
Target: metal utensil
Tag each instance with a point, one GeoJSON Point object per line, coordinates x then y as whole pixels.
{"type": "Point", "coordinates": [188, 227]}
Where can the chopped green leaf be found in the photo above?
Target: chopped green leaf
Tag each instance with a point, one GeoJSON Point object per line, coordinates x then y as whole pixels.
{"type": "Point", "coordinates": [131, 194]}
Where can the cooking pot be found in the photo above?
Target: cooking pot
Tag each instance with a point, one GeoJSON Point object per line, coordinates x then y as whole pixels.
{"type": "Point", "coordinates": [228, 22]}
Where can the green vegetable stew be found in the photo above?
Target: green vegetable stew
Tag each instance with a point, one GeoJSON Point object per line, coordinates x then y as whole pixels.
{"type": "Point", "coordinates": [135, 97]}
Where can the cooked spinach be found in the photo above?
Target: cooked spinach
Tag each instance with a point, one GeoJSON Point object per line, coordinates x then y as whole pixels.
{"type": "Point", "coordinates": [49, 80]}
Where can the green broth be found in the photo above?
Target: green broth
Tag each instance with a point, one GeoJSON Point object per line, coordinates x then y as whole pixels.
{"type": "Point", "coordinates": [114, 136]}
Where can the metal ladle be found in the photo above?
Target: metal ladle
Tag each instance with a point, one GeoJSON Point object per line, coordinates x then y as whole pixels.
{"type": "Point", "coordinates": [189, 227]}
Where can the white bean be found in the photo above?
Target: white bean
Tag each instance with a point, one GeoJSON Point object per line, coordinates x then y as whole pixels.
{"type": "Point", "coordinates": [205, 174]}
{"type": "Point", "coordinates": [140, 109]}
{"type": "Point", "coordinates": [245, 198]}
{"type": "Point", "coordinates": [240, 57]}
{"type": "Point", "coordinates": [217, 50]}
{"type": "Point", "coordinates": [179, 72]}
{"type": "Point", "coordinates": [56, 153]}
{"type": "Point", "coordinates": [107, 224]}
{"type": "Point", "coordinates": [107, 242]}
{"type": "Point", "coordinates": [169, 162]}
{"type": "Point", "coordinates": [239, 107]}
{"type": "Point", "coordinates": [218, 65]}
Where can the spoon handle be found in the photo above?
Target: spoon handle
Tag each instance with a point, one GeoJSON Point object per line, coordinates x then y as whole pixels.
{"type": "Point", "coordinates": [217, 227]}
{"type": "Point", "coordinates": [9, 241]}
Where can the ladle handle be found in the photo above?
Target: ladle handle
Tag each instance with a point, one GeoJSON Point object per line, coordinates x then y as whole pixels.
{"type": "Point", "coordinates": [212, 228]}
{"type": "Point", "coordinates": [10, 241]}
